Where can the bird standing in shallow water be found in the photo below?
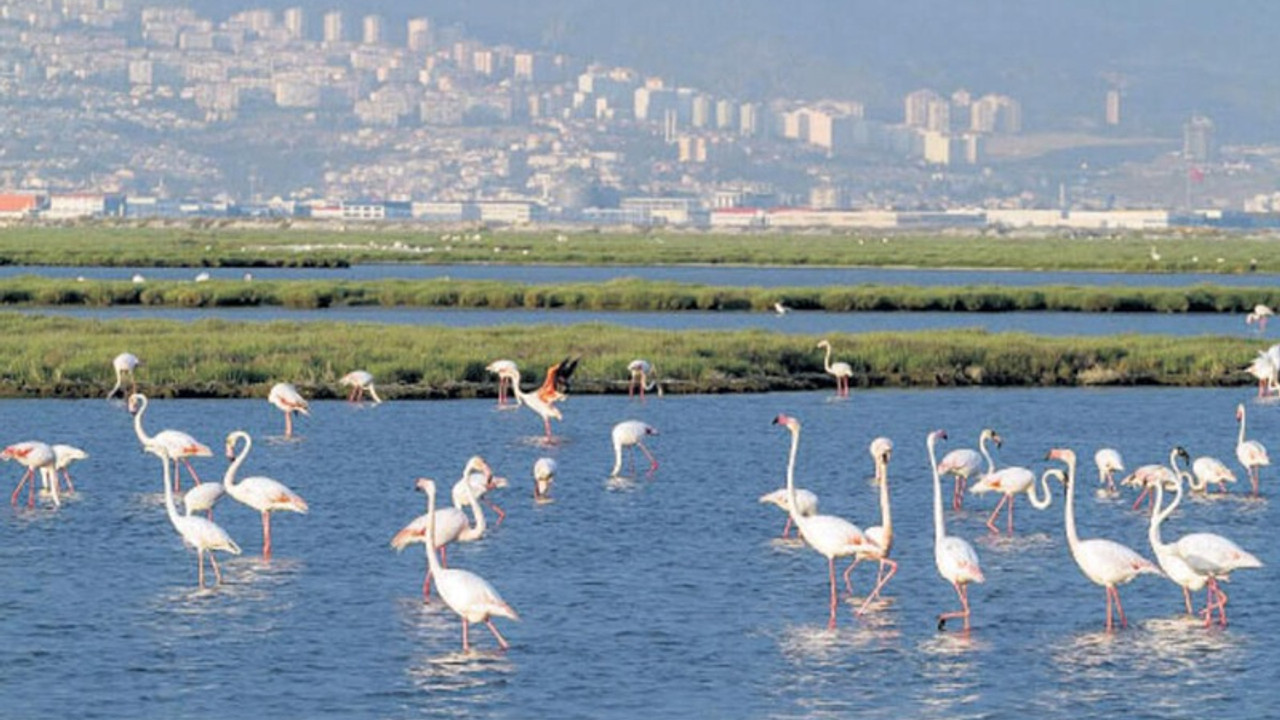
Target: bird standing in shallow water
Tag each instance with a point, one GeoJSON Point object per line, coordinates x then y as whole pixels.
{"type": "Point", "coordinates": [956, 560]}
{"type": "Point", "coordinates": [287, 398]}
{"type": "Point", "coordinates": [361, 382]}
{"type": "Point", "coordinates": [631, 433]}
{"type": "Point", "coordinates": [842, 371]}
{"type": "Point", "coordinates": [260, 493]}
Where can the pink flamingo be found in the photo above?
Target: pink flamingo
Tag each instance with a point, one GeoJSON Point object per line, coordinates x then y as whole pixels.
{"type": "Point", "coordinates": [841, 371]}
{"type": "Point", "coordinates": [964, 463]}
{"type": "Point", "coordinates": [124, 364]}
{"type": "Point", "coordinates": [480, 477]}
{"type": "Point", "coordinates": [544, 409]}
{"type": "Point", "coordinates": [176, 444]}
{"type": "Point", "coordinates": [544, 473]}
{"type": "Point", "coordinates": [956, 560]}
{"type": "Point", "coordinates": [1251, 453]}
{"type": "Point", "coordinates": [287, 398]}
{"type": "Point", "coordinates": [640, 371]}
{"type": "Point", "coordinates": [831, 536]}
{"type": "Point", "coordinates": [64, 455]}
{"type": "Point", "coordinates": [1105, 562]}
{"type": "Point", "coordinates": [361, 381]}
{"type": "Point", "coordinates": [502, 368]}
{"type": "Point", "coordinates": [1261, 313]}
{"type": "Point", "coordinates": [808, 504]}
{"type": "Point", "coordinates": [631, 433]}
{"type": "Point", "coordinates": [451, 525]}
{"type": "Point", "coordinates": [1109, 463]}
{"type": "Point", "coordinates": [200, 533]}
{"type": "Point", "coordinates": [260, 493]}
{"type": "Point", "coordinates": [880, 537]}
{"type": "Point", "coordinates": [34, 455]}
{"type": "Point", "coordinates": [1010, 482]}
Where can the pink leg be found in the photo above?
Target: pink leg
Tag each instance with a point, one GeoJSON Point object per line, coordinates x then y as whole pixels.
{"type": "Point", "coordinates": [498, 511]}
{"type": "Point", "coordinates": [200, 564]}
{"type": "Point", "coordinates": [1186, 597]}
{"type": "Point", "coordinates": [31, 490]}
{"type": "Point", "coordinates": [466, 642]}
{"type": "Point", "coordinates": [957, 498]}
{"type": "Point", "coordinates": [786, 530]}
{"type": "Point", "coordinates": [653, 462]}
{"type": "Point", "coordinates": [288, 424]}
{"type": "Point", "coordinates": [194, 476]}
{"type": "Point", "coordinates": [963, 592]}
{"type": "Point", "coordinates": [831, 570]}
{"type": "Point", "coordinates": [18, 490]}
{"type": "Point", "coordinates": [1012, 499]}
{"type": "Point", "coordinates": [991, 521]}
{"type": "Point", "coordinates": [501, 640]}
{"type": "Point", "coordinates": [1119, 608]}
{"type": "Point", "coordinates": [1142, 496]}
{"type": "Point", "coordinates": [71, 487]}
{"type": "Point", "coordinates": [880, 582]}
{"type": "Point", "coordinates": [266, 535]}
{"type": "Point", "coordinates": [217, 573]}
{"type": "Point", "coordinates": [546, 425]}
{"type": "Point", "coordinates": [847, 584]}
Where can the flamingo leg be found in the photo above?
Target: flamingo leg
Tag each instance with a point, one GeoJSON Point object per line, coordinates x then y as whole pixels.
{"type": "Point", "coordinates": [1115, 592]}
{"type": "Point", "coordinates": [1111, 481]}
{"type": "Point", "coordinates": [1186, 598]}
{"type": "Point", "coordinates": [847, 584]}
{"type": "Point", "coordinates": [880, 582]}
{"type": "Point", "coordinates": [266, 535]}
{"type": "Point", "coordinates": [653, 462]}
{"type": "Point", "coordinates": [642, 380]}
{"type": "Point", "coordinates": [786, 530]}
{"type": "Point", "coordinates": [957, 498]}
{"type": "Point", "coordinates": [71, 487]}
{"type": "Point", "coordinates": [1012, 499]}
{"type": "Point", "coordinates": [546, 425]}
{"type": "Point", "coordinates": [194, 476]}
{"type": "Point", "coordinates": [18, 490]}
{"type": "Point", "coordinates": [217, 573]}
{"type": "Point", "coordinates": [831, 571]}
{"type": "Point", "coordinates": [963, 592]}
{"type": "Point", "coordinates": [1146, 491]}
{"type": "Point", "coordinates": [200, 565]}
{"type": "Point", "coordinates": [493, 629]}
{"type": "Point", "coordinates": [31, 489]}
{"type": "Point", "coordinates": [1253, 478]}
{"type": "Point", "coordinates": [991, 521]}
{"type": "Point", "coordinates": [466, 642]}
{"type": "Point", "coordinates": [498, 511]}
{"type": "Point", "coordinates": [288, 423]}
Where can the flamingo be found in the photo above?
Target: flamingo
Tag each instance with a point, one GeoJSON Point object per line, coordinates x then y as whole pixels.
{"type": "Point", "coordinates": [556, 385]}
{"type": "Point", "coordinates": [808, 504]}
{"type": "Point", "coordinates": [1266, 368]}
{"type": "Point", "coordinates": [360, 382]}
{"type": "Point", "coordinates": [631, 433]}
{"type": "Point", "coordinates": [542, 408]}
{"type": "Point", "coordinates": [1174, 567]}
{"type": "Point", "coordinates": [200, 533]}
{"type": "Point", "coordinates": [1147, 476]}
{"type": "Point", "coordinates": [286, 397]}
{"type": "Point", "coordinates": [176, 444]}
{"type": "Point", "coordinates": [842, 371]}
{"type": "Point", "coordinates": [780, 309]}
{"type": "Point", "coordinates": [452, 525]}
{"type": "Point", "coordinates": [202, 277]}
{"type": "Point", "coordinates": [64, 455]}
{"type": "Point", "coordinates": [501, 368]}
{"type": "Point", "coordinates": [1109, 462]}
{"type": "Point", "coordinates": [202, 498]}
{"type": "Point", "coordinates": [1010, 482]}
{"type": "Point", "coordinates": [1105, 562]}
{"type": "Point", "coordinates": [479, 476]}
{"type": "Point", "coordinates": [34, 455]}
{"type": "Point", "coordinates": [1210, 471]}
{"type": "Point", "coordinates": [831, 536]}
{"type": "Point", "coordinates": [467, 594]}
{"type": "Point", "coordinates": [880, 537]}
{"type": "Point", "coordinates": [260, 493]}
{"type": "Point", "coordinates": [124, 364]}
{"type": "Point", "coordinates": [640, 371]}
{"type": "Point", "coordinates": [956, 560]}
{"type": "Point", "coordinates": [1259, 315]}
{"type": "Point", "coordinates": [544, 473]}
{"type": "Point", "coordinates": [964, 462]}
{"type": "Point", "coordinates": [1251, 453]}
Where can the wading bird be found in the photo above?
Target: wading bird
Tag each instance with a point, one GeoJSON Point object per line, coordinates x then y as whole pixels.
{"type": "Point", "coordinates": [260, 493]}
{"type": "Point", "coordinates": [544, 473]}
{"type": "Point", "coordinates": [124, 365]}
{"type": "Point", "coordinates": [1251, 453]}
{"type": "Point", "coordinates": [64, 455]}
{"type": "Point", "coordinates": [1260, 315]}
{"type": "Point", "coordinates": [197, 532]}
{"type": "Point", "coordinates": [1010, 482]}
{"type": "Point", "coordinates": [1109, 463]}
{"type": "Point", "coordinates": [287, 398]}
{"type": "Point", "coordinates": [502, 368]}
{"type": "Point", "coordinates": [842, 371]}
{"type": "Point", "coordinates": [631, 433]}
{"type": "Point", "coordinates": [808, 504]}
{"type": "Point", "coordinates": [452, 525]}
{"type": "Point", "coordinates": [479, 476]}
{"type": "Point", "coordinates": [545, 410]}
{"type": "Point", "coordinates": [33, 455]}
{"type": "Point", "coordinates": [640, 371]}
{"type": "Point", "coordinates": [361, 382]}
{"type": "Point", "coordinates": [176, 444]}
{"type": "Point", "coordinates": [880, 537]}
{"type": "Point", "coordinates": [956, 560]}
{"type": "Point", "coordinates": [964, 463]}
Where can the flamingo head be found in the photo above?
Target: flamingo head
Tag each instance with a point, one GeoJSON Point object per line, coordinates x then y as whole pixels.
{"type": "Point", "coordinates": [1063, 455]}
{"type": "Point", "coordinates": [425, 485]}
{"type": "Point", "coordinates": [135, 401]}
{"type": "Point", "coordinates": [477, 464]}
{"type": "Point", "coordinates": [1239, 412]}
{"type": "Point", "coordinates": [1182, 453]}
{"type": "Point", "coordinates": [937, 435]}
{"type": "Point", "coordinates": [824, 344]}
{"type": "Point", "coordinates": [787, 421]}
{"type": "Point", "coordinates": [230, 447]}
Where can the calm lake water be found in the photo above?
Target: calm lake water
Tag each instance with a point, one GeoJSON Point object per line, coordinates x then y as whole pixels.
{"type": "Point", "coordinates": [704, 275]}
{"type": "Point", "coordinates": [797, 323]}
{"type": "Point", "coordinates": [658, 597]}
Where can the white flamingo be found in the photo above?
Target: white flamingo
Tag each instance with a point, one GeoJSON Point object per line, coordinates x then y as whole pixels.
{"type": "Point", "coordinates": [807, 501]}
{"type": "Point", "coordinates": [641, 371]}
{"type": "Point", "coordinates": [260, 493]}
{"type": "Point", "coordinates": [544, 473]}
{"type": "Point", "coordinates": [780, 309]}
{"type": "Point", "coordinates": [63, 456]}
{"type": "Point", "coordinates": [964, 463]}
{"type": "Point", "coordinates": [631, 433]}
{"type": "Point", "coordinates": [1104, 562]}
{"type": "Point", "coordinates": [1148, 476]}
{"type": "Point", "coordinates": [124, 364]}
{"type": "Point", "coordinates": [1210, 471]}
{"type": "Point", "coordinates": [200, 533]}
{"type": "Point", "coordinates": [479, 476]}
{"type": "Point", "coordinates": [1109, 463]}
{"type": "Point", "coordinates": [1266, 369]}
{"type": "Point", "coordinates": [467, 594]}
{"type": "Point", "coordinates": [1260, 315]}
{"type": "Point", "coordinates": [503, 369]}
{"type": "Point", "coordinates": [33, 455]}
{"type": "Point", "coordinates": [880, 537]}
{"type": "Point", "coordinates": [1011, 482]}
{"type": "Point", "coordinates": [545, 410]}
{"type": "Point", "coordinates": [202, 498]}
{"type": "Point", "coordinates": [956, 560]}
{"type": "Point", "coordinates": [361, 381]}
{"type": "Point", "coordinates": [176, 444]}
{"type": "Point", "coordinates": [452, 525]}
{"type": "Point", "coordinates": [831, 536]}
{"type": "Point", "coordinates": [1251, 453]}
{"type": "Point", "coordinates": [287, 398]}
{"type": "Point", "coordinates": [842, 371]}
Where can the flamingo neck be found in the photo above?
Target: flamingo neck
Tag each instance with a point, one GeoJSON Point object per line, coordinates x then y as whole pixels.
{"type": "Point", "coordinates": [826, 360]}
{"type": "Point", "coordinates": [1158, 517]}
{"type": "Point", "coordinates": [478, 529]}
{"type": "Point", "coordinates": [373, 393]}
{"type": "Point", "coordinates": [169, 505]}
{"type": "Point", "coordinates": [1073, 539]}
{"type": "Point", "coordinates": [1240, 440]}
{"type": "Point", "coordinates": [939, 523]}
{"type": "Point", "coordinates": [796, 517]}
{"type": "Point", "coordinates": [433, 562]}
{"type": "Point", "coordinates": [1040, 502]}
{"type": "Point", "coordinates": [119, 382]}
{"type": "Point", "coordinates": [886, 516]}
{"type": "Point", "coordinates": [982, 447]}
{"type": "Point", "coordinates": [229, 479]}
{"type": "Point", "coordinates": [143, 437]}
{"type": "Point", "coordinates": [617, 458]}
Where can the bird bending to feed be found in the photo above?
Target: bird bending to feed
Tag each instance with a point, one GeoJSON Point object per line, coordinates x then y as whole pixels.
{"type": "Point", "coordinates": [1260, 315]}
{"type": "Point", "coordinates": [1148, 476]}
{"type": "Point", "coordinates": [124, 365]}
{"type": "Point", "coordinates": [641, 374]}
{"type": "Point", "coordinates": [360, 382]}
{"type": "Point", "coordinates": [466, 593]}
{"type": "Point", "coordinates": [1010, 482]}
{"type": "Point", "coordinates": [202, 498]}
{"type": "Point", "coordinates": [556, 385]}
{"type": "Point", "coordinates": [33, 455]}
{"type": "Point", "coordinates": [1109, 463]}
{"type": "Point", "coordinates": [880, 537]}
{"type": "Point", "coordinates": [1197, 560]}
{"type": "Point", "coordinates": [956, 560]}
{"type": "Point", "coordinates": [501, 368]}
{"type": "Point", "coordinates": [807, 501]}
{"type": "Point", "coordinates": [631, 433]}
{"type": "Point", "coordinates": [1251, 453]}
{"type": "Point", "coordinates": [452, 525]}
{"type": "Point", "coordinates": [1208, 471]}
{"type": "Point", "coordinates": [64, 455]}
{"type": "Point", "coordinates": [479, 476]}
{"type": "Point", "coordinates": [260, 493]}
{"type": "Point", "coordinates": [831, 536]}
{"type": "Point", "coordinates": [176, 444]}
{"type": "Point", "coordinates": [200, 533]}
{"type": "Point", "coordinates": [964, 463]}
{"type": "Point", "coordinates": [534, 402]}
{"type": "Point", "coordinates": [286, 397]}
{"type": "Point", "coordinates": [842, 371]}
{"type": "Point", "coordinates": [544, 473]}
{"type": "Point", "coordinates": [1104, 562]}
{"type": "Point", "coordinates": [1266, 368]}
{"type": "Point", "coordinates": [781, 309]}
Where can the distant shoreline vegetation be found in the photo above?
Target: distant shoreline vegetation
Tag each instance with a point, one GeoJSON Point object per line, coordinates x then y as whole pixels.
{"type": "Point", "coordinates": [225, 243]}
{"type": "Point", "coordinates": [629, 295]}
{"type": "Point", "coordinates": [51, 356]}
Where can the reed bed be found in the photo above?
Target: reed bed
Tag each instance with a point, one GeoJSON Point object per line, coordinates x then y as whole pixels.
{"type": "Point", "coordinates": [630, 295]}
{"type": "Point", "coordinates": [51, 356]}
{"type": "Point", "coordinates": [230, 243]}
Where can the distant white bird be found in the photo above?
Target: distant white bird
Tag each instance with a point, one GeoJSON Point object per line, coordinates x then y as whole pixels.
{"type": "Point", "coordinates": [1109, 462]}
{"type": "Point", "coordinates": [64, 455]}
{"type": "Point", "coordinates": [124, 364]}
{"type": "Point", "coordinates": [781, 309]}
{"type": "Point", "coordinates": [1251, 453]}
{"type": "Point", "coordinates": [1155, 254]}
{"type": "Point", "coordinates": [544, 473]}
{"type": "Point", "coordinates": [360, 382]}
{"type": "Point", "coordinates": [1266, 368]}
{"type": "Point", "coordinates": [641, 372]}
{"type": "Point", "coordinates": [503, 369]}
{"type": "Point", "coordinates": [1210, 471]}
{"type": "Point", "coordinates": [138, 279]}
{"type": "Point", "coordinates": [842, 371]}
{"type": "Point", "coordinates": [202, 277]}
{"type": "Point", "coordinates": [1259, 315]}
{"type": "Point", "coordinates": [200, 533]}
{"type": "Point", "coordinates": [286, 397]}
{"type": "Point", "coordinates": [631, 433]}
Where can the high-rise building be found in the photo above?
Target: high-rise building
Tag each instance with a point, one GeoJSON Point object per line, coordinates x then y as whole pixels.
{"type": "Point", "coordinates": [372, 30]}
{"type": "Point", "coordinates": [916, 107]}
{"type": "Point", "coordinates": [726, 114]}
{"type": "Point", "coordinates": [333, 30]}
{"type": "Point", "coordinates": [294, 23]}
{"type": "Point", "coordinates": [996, 113]}
{"type": "Point", "coordinates": [1197, 139]}
{"type": "Point", "coordinates": [419, 35]}
{"type": "Point", "coordinates": [1113, 107]}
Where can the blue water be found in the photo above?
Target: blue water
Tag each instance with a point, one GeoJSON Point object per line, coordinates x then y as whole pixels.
{"type": "Point", "coordinates": [704, 275]}
{"type": "Point", "coordinates": [657, 597]}
{"type": "Point", "coordinates": [796, 323]}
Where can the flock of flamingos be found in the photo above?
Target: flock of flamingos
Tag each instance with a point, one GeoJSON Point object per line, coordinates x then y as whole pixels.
{"type": "Point", "coordinates": [1197, 561]}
